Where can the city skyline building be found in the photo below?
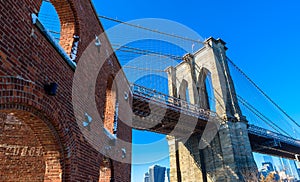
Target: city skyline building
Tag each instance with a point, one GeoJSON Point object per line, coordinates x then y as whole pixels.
{"type": "Point", "coordinates": [268, 158]}
{"type": "Point", "coordinates": [268, 166]}
{"type": "Point", "coordinates": [168, 174]}
{"type": "Point", "coordinates": [283, 168]}
{"type": "Point", "coordinates": [146, 177]}
{"type": "Point", "coordinates": [294, 170]}
{"type": "Point", "coordinates": [287, 167]}
{"type": "Point", "coordinates": [157, 173]}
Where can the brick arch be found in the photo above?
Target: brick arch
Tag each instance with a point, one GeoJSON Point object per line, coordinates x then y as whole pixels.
{"type": "Point", "coordinates": [30, 147]}
{"type": "Point", "coordinates": [17, 91]}
{"type": "Point", "coordinates": [109, 92]}
{"type": "Point", "coordinates": [69, 23]}
{"type": "Point", "coordinates": [27, 103]}
{"type": "Point", "coordinates": [106, 171]}
{"type": "Point", "coordinates": [110, 104]}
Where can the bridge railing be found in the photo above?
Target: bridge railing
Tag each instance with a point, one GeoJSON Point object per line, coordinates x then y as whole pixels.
{"type": "Point", "coordinates": [151, 95]}
{"type": "Point", "coordinates": [272, 135]}
{"type": "Point", "coordinates": [169, 101]}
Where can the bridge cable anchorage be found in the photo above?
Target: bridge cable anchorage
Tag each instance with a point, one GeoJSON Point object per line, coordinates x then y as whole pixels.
{"type": "Point", "coordinates": [261, 116]}
{"type": "Point", "coordinates": [151, 30]}
{"type": "Point", "coordinates": [262, 92]}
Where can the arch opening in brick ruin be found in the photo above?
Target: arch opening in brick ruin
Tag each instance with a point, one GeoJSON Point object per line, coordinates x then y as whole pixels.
{"type": "Point", "coordinates": [29, 150]}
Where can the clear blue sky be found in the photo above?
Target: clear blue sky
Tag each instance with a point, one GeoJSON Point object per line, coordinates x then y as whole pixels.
{"type": "Point", "coordinates": [263, 38]}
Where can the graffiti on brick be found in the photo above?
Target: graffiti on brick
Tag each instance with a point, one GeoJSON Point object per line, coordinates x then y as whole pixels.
{"type": "Point", "coordinates": [8, 126]}
{"type": "Point", "coordinates": [9, 123]}
{"type": "Point", "coordinates": [18, 150]}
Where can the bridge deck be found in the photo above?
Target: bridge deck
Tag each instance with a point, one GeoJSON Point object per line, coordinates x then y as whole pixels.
{"type": "Point", "coordinates": [161, 113]}
{"type": "Point", "coordinates": [268, 142]}
{"type": "Point", "coordinates": [165, 114]}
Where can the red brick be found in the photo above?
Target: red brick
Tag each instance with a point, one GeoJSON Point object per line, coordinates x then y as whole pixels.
{"type": "Point", "coordinates": [48, 121]}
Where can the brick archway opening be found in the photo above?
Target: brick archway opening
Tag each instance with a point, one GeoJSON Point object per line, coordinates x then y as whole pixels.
{"type": "Point", "coordinates": [29, 150]}
{"type": "Point", "coordinates": [110, 106]}
{"type": "Point", "coordinates": [106, 171]}
{"type": "Point", "coordinates": [109, 124]}
{"type": "Point", "coordinates": [69, 31]}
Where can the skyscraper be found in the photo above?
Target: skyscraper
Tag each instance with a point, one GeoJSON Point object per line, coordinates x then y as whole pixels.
{"type": "Point", "coordinates": [168, 174]}
{"type": "Point", "coordinates": [294, 169]}
{"type": "Point", "coordinates": [298, 167]}
{"type": "Point", "coordinates": [287, 167]}
{"type": "Point", "coordinates": [268, 159]}
{"type": "Point", "coordinates": [157, 173]}
{"type": "Point", "coordinates": [268, 166]}
{"type": "Point", "coordinates": [146, 177]}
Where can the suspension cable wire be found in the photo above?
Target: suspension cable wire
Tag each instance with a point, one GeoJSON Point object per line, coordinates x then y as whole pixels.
{"type": "Point", "coordinates": [151, 30]}
{"type": "Point", "coordinates": [253, 110]}
{"type": "Point", "coordinates": [260, 115]}
{"type": "Point", "coordinates": [143, 69]}
{"type": "Point", "coordinates": [262, 92]}
{"type": "Point", "coordinates": [145, 52]}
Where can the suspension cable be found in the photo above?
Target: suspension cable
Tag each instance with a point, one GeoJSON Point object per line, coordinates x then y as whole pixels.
{"type": "Point", "coordinates": [144, 69]}
{"type": "Point", "coordinates": [144, 51]}
{"type": "Point", "coordinates": [151, 30]}
{"type": "Point", "coordinates": [260, 115]}
{"type": "Point", "coordinates": [254, 111]}
{"type": "Point", "coordinates": [262, 92]}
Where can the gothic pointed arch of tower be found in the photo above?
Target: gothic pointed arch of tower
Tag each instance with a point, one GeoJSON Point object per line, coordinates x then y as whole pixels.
{"type": "Point", "coordinates": [204, 74]}
{"type": "Point", "coordinates": [183, 88]}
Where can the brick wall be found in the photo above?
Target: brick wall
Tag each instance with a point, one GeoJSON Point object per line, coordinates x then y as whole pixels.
{"type": "Point", "coordinates": [27, 62]}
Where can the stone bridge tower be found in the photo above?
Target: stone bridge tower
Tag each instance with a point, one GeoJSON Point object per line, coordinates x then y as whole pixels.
{"type": "Point", "coordinates": [222, 152]}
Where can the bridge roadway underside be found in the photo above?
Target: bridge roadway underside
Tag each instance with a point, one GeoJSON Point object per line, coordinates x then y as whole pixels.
{"type": "Point", "coordinates": [165, 119]}
{"type": "Point", "coordinates": [270, 146]}
{"type": "Point", "coordinates": [168, 119]}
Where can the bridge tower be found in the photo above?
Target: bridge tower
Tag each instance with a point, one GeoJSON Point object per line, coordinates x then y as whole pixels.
{"type": "Point", "coordinates": [223, 151]}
